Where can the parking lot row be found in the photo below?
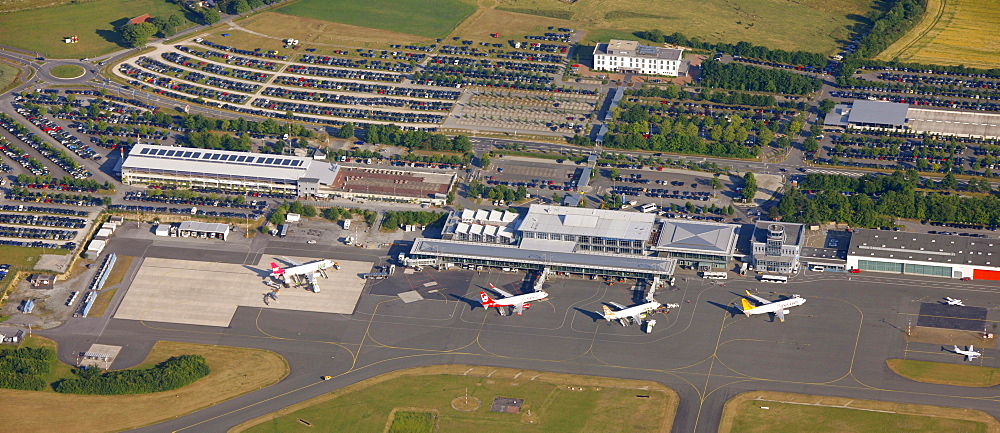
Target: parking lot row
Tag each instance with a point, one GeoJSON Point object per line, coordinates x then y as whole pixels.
{"type": "Point", "coordinates": [43, 209]}
{"type": "Point", "coordinates": [333, 98]}
{"type": "Point", "coordinates": [185, 211]}
{"type": "Point", "coordinates": [213, 68]}
{"type": "Point", "coordinates": [43, 220]}
{"type": "Point", "coordinates": [357, 63]}
{"type": "Point", "coordinates": [381, 89]}
{"type": "Point", "coordinates": [230, 59]}
{"type": "Point", "coordinates": [346, 74]}
{"type": "Point", "coordinates": [190, 89]}
{"type": "Point", "coordinates": [33, 233]}
{"type": "Point", "coordinates": [348, 113]}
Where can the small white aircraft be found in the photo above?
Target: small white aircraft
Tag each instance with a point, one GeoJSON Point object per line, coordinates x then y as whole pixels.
{"type": "Point", "coordinates": [969, 354]}
{"type": "Point", "coordinates": [779, 308]}
{"type": "Point", "coordinates": [519, 302]}
{"type": "Point", "coordinates": [953, 301]}
{"type": "Point", "coordinates": [628, 315]}
{"type": "Point", "coordinates": [310, 271]}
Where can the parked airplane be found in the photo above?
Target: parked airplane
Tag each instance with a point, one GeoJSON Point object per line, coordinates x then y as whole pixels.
{"type": "Point", "coordinates": [518, 303]}
{"type": "Point", "coordinates": [969, 354]}
{"type": "Point", "coordinates": [628, 315]}
{"type": "Point", "coordinates": [953, 301]}
{"type": "Point", "coordinates": [310, 271]}
{"type": "Point", "coordinates": [779, 308]}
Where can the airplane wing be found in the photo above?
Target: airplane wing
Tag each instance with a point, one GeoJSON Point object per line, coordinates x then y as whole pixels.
{"type": "Point", "coordinates": [637, 318]}
{"type": "Point", "coordinates": [501, 292]}
{"type": "Point", "coordinates": [758, 298]}
{"type": "Point", "coordinates": [291, 261]}
{"type": "Point", "coordinates": [617, 305]}
{"type": "Point", "coordinates": [781, 315]}
{"type": "Point", "coordinates": [518, 309]}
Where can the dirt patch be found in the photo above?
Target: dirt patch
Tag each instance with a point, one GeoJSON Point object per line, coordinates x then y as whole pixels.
{"type": "Point", "coordinates": [949, 337]}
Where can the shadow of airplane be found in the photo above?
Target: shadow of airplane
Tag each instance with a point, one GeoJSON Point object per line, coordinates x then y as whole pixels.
{"type": "Point", "coordinates": [731, 309]}
{"type": "Point", "coordinates": [262, 273]}
{"type": "Point", "coordinates": [473, 303]}
{"type": "Point", "coordinates": [593, 315]}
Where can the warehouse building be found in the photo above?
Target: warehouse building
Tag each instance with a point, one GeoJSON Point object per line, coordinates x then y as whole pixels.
{"type": "Point", "coordinates": [292, 175]}
{"type": "Point", "coordinates": [483, 225]}
{"type": "Point", "coordinates": [629, 56]}
{"type": "Point", "coordinates": [924, 254]}
{"type": "Point", "coordinates": [882, 115]}
{"type": "Point", "coordinates": [777, 246]}
{"type": "Point", "coordinates": [697, 244]}
{"type": "Point", "coordinates": [197, 229]}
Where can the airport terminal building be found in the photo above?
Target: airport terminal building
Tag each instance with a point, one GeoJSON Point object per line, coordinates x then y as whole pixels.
{"type": "Point", "coordinates": [562, 239]}
{"type": "Point", "coordinates": [777, 246]}
{"type": "Point", "coordinates": [924, 254]}
{"type": "Point", "coordinates": [697, 244]}
{"type": "Point", "coordinates": [292, 175]}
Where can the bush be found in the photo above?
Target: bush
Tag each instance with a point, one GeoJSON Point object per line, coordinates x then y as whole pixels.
{"type": "Point", "coordinates": [394, 220]}
{"type": "Point", "coordinates": [174, 373]}
{"type": "Point", "coordinates": [22, 368]}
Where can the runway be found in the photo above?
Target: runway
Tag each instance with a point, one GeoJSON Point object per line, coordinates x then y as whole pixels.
{"type": "Point", "coordinates": [835, 344]}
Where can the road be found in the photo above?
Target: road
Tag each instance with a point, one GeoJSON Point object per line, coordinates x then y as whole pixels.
{"type": "Point", "coordinates": [832, 345]}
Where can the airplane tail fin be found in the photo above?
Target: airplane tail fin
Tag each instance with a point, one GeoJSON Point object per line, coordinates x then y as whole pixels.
{"type": "Point", "coordinates": [746, 306]}
{"type": "Point", "coordinates": [486, 300]}
{"type": "Point", "coordinates": [276, 270]}
{"type": "Point", "coordinates": [956, 349]}
{"type": "Point", "coordinates": [607, 312]}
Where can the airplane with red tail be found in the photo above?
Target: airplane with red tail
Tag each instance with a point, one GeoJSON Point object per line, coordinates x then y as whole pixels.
{"type": "Point", "coordinates": [519, 303]}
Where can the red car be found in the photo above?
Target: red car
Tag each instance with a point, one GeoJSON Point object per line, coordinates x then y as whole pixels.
{"type": "Point", "coordinates": [855, 271]}
{"type": "Point", "coordinates": [966, 278]}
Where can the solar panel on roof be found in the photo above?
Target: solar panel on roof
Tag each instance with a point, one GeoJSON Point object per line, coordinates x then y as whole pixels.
{"type": "Point", "coordinates": [196, 155]}
{"type": "Point", "coordinates": [215, 156]}
{"type": "Point", "coordinates": [143, 151]}
{"type": "Point", "coordinates": [260, 159]}
{"type": "Point", "coordinates": [207, 155]}
{"type": "Point", "coordinates": [241, 158]}
{"type": "Point", "coordinates": [170, 153]}
{"type": "Point", "coordinates": [286, 162]}
{"type": "Point", "coordinates": [161, 152]}
{"type": "Point", "coordinates": [269, 161]}
{"type": "Point", "coordinates": [187, 154]}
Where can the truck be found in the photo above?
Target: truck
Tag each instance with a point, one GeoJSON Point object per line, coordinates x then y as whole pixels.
{"type": "Point", "coordinates": [347, 224]}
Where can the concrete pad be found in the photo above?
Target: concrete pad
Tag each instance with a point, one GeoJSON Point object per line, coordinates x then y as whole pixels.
{"type": "Point", "coordinates": [411, 296]}
{"type": "Point", "coordinates": [207, 293]}
{"type": "Point", "coordinates": [110, 351]}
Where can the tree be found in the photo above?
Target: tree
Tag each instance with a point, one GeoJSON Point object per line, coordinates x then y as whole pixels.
{"type": "Point", "coordinates": [949, 181]}
{"type": "Point", "coordinates": [810, 144]}
{"type": "Point", "coordinates": [749, 186]}
{"type": "Point", "coordinates": [239, 7]}
{"type": "Point", "coordinates": [484, 161]}
{"type": "Point", "coordinates": [556, 198]}
{"type": "Point", "coordinates": [209, 16]}
{"type": "Point", "coordinates": [175, 20]}
{"type": "Point", "coordinates": [614, 173]}
{"type": "Point", "coordinates": [715, 183]}
{"type": "Point", "coordinates": [135, 35]}
{"type": "Point", "coordinates": [730, 210]}
{"type": "Point", "coordinates": [346, 131]}
{"type": "Point", "coordinates": [826, 105]}
{"type": "Point", "coordinates": [690, 207]}
{"type": "Point", "coordinates": [309, 211]}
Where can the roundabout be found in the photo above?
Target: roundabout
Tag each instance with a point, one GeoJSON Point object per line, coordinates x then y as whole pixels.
{"type": "Point", "coordinates": [67, 72]}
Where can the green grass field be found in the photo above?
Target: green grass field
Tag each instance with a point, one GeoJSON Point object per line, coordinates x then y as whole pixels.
{"type": "Point", "coordinates": [8, 76]}
{"type": "Point", "coordinates": [94, 22]}
{"type": "Point", "coordinates": [797, 418]}
{"type": "Point", "coordinates": [945, 373]}
{"type": "Point", "coordinates": [432, 19]}
{"type": "Point", "coordinates": [548, 407]}
{"type": "Point", "coordinates": [25, 258]}
{"type": "Point", "coordinates": [66, 71]}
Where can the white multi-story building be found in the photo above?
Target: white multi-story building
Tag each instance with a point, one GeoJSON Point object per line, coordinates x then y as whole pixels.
{"type": "Point", "coordinates": [628, 56]}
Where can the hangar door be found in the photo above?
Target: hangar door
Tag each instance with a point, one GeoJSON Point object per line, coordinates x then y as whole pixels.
{"type": "Point", "coordinates": [931, 270]}
{"type": "Point", "coordinates": [983, 274]}
{"type": "Point", "coordinates": [871, 265]}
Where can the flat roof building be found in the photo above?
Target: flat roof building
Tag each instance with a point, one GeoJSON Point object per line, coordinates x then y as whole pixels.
{"type": "Point", "coordinates": [588, 230]}
{"type": "Point", "coordinates": [483, 225]}
{"type": "Point", "coordinates": [777, 246]}
{"type": "Point", "coordinates": [629, 56]}
{"type": "Point", "coordinates": [946, 256]}
{"type": "Point", "coordinates": [203, 230]}
{"type": "Point", "coordinates": [699, 244]}
{"type": "Point", "coordinates": [866, 114]}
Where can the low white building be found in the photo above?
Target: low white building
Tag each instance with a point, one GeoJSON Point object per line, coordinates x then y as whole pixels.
{"type": "Point", "coordinates": [629, 56]}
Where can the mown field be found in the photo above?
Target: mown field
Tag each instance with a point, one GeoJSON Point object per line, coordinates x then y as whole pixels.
{"type": "Point", "coordinates": [42, 30]}
{"type": "Point", "coordinates": [552, 403]}
{"type": "Point", "coordinates": [952, 32]}
{"type": "Point", "coordinates": [431, 19]}
{"type": "Point", "coordinates": [945, 373]}
{"type": "Point", "coordinates": [235, 371]}
{"type": "Point", "coordinates": [745, 414]}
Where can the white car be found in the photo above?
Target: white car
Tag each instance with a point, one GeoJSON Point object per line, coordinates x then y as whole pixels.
{"type": "Point", "coordinates": [311, 241]}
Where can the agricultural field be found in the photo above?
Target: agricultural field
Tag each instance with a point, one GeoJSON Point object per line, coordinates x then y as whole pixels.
{"type": "Point", "coordinates": [772, 412]}
{"type": "Point", "coordinates": [952, 32]}
{"type": "Point", "coordinates": [430, 19]}
{"type": "Point", "coordinates": [552, 403]}
{"type": "Point", "coordinates": [94, 22]}
{"type": "Point", "coordinates": [235, 371]}
{"type": "Point", "coordinates": [810, 25]}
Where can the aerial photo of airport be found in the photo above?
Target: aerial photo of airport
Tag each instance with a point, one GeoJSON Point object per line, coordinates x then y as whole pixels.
{"type": "Point", "coordinates": [553, 216]}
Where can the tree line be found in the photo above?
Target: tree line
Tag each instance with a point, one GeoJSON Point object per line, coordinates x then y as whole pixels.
{"type": "Point", "coordinates": [396, 219]}
{"type": "Point", "coordinates": [497, 192]}
{"type": "Point", "coordinates": [337, 214]}
{"type": "Point", "coordinates": [395, 136]}
{"type": "Point", "coordinates": [886, 28]}
{"type": "Point", "coordinates": [174, 373]}
{"type": "Point", "coordinates": [742, 49]}
{"type": "Point", "coordinates": [735, 76]}
{"type": "Point", "coordinates": [23, 368]}
{"type": "Point", "coordinates": [719, 96]}
{"type": "Point", "coordinates": [23, 179]}
{"type": "Point", "coordinates": [876, 201]}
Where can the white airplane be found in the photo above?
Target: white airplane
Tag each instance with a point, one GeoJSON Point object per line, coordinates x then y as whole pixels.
{"type": "Point", "coordinates": [628, 315]}
{"type": "Point", "coordinates": [969, 354]}
{"type": "Point", "coordinates": [779, 308]}
{"type": "Point", "coordinates": [953, 301]}
{"type": "Point", "coordinates": [310, 271]}
{"type": "Point", "coordinates": [519, 302]}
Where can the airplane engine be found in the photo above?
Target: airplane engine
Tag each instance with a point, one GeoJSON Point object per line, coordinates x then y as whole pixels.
{"type": "Point", "coordinates": [784, 312]}
{"type": "Point", "coordinates": [526, 306]}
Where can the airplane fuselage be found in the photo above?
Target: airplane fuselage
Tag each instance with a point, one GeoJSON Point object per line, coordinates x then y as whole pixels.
{"type": "Point", "coordinates": [774, 307]}
{"type": "Point", "coordinates": [519, 299]}
{"type": "Point", "coordinates": [630, 312]}
{"type": "Point", "coordinates": [309, 268]}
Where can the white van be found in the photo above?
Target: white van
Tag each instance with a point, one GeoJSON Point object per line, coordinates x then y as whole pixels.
{"type": "Point", "coordinates": [818, 268]}
{"type": "Point", "coordinates": [347, 224]}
